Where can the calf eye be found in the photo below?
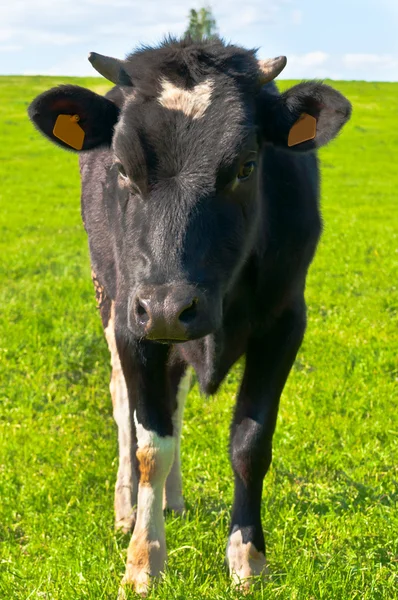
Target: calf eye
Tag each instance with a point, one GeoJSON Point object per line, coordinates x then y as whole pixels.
{"type": "Point", "coordinates": [246, 170]}
{"type": "Point", "coordinates": [122, 170]}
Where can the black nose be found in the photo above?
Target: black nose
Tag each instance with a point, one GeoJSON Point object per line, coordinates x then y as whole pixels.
{"type": "Point", "coordinates": [169, 313]}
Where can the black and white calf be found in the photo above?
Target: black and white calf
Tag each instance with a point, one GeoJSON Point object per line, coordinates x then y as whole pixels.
{"type": "Point", "coordinates": [200, 190]}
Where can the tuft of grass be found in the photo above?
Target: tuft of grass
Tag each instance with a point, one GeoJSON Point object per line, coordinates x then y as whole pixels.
{"type": "Point", "coordinates": [329, 501]}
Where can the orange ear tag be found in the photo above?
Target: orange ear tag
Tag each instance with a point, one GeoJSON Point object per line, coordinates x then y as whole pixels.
{"type": "Point", "coordinates": [303, 130]}
{"type": "Point", "coordinates": [68, 131]}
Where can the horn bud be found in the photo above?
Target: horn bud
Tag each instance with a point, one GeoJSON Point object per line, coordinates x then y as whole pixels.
{"type": "Point", "coordinates": [270, 68]}
{"type": "Point", "coordinates": [110, 68]}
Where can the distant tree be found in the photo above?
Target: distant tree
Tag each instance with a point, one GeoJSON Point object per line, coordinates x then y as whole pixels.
{"type": "Point", "coordinates": [202, 24]}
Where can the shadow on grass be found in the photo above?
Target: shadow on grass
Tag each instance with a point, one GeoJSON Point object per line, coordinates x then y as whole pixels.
{"type": "Point", "coordinates": [353, 496]}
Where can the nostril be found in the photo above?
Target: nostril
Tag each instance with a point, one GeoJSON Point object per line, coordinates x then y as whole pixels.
{"type": "Point", "coordinates": [141, 311]}
{"type": "Point", "coordinates": [189, 313]}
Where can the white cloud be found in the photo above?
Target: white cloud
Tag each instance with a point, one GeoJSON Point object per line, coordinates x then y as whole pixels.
{"type": "Point", "coordinates": [297, 17]}
{"type": "Point", "coordinates": [74, 65]}
{"type": "Point", "coordinates": [53, 38]}
{"type": "Point", "coordinates": [113, 3]}
{"type": "Point", "coordinates": [5, 35]}
{"type": "Point", "coordinates": [232, 15]}
{"type": "Point", "coordinates": [10, 48]}
{"type": "Point", "coordinates": [248, 16]}
{"type": "Point", "coordinates": [307, 66]}
{"type": "Point", "coordinates": [321, 65]}
{"type": "Point", "coordinates": [311, 59]}
{"type": "Point", "coordinates": [390, 5]}
{"type": "Point", "coordinates": [23, 35]}
{"type": "Point", "coordinates": [365, 61]}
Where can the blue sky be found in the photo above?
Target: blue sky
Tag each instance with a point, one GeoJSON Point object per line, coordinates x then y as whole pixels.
{"type": "Point", "coordinates": [340, 39]}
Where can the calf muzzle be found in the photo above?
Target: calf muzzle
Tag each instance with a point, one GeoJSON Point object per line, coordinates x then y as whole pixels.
{"type": "Point", "coordinates": [168, 313]}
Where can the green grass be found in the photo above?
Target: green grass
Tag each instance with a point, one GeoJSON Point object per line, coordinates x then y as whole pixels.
{"type": "Point", "coordinates": [329, 502]}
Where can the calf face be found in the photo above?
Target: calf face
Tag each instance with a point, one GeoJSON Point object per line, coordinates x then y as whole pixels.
{"type": "Point", "coordinates": [185, 165]}
{"type": "Point", "coordinates": [181, 172]}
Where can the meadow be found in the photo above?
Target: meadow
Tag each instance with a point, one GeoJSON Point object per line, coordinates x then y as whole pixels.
{"type": "Point", "coordinates": [330, 498]}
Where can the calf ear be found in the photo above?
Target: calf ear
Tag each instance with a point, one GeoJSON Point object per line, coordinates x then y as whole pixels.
{"type": "Point", "coordinates": [74, 117]}
{"type": "Point", "coordinates": [304, 117]}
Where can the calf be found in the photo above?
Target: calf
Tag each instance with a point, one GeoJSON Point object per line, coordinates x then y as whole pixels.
{"type": "Point", "coordinates": [200, 197]}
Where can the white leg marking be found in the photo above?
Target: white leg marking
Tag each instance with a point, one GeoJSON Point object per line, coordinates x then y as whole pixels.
{"type": "Point", "coordinates": [244, 561]}
{"type": "Point", "coordinates": [173, 498]}
{"type": "Point", "coordinates": [126, 483]}
{"type": "Point", "coordinates": [146, 555]}
{"type": "Point", "coordinates": [192, 103]}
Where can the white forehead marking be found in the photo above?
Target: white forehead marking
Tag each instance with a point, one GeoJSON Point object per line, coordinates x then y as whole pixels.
{"type": "Point", "coordinates": [192, 103]}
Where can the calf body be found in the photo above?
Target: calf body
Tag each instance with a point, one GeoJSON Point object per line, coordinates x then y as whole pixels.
{"type": "Point", "coordinates": [202, 216]}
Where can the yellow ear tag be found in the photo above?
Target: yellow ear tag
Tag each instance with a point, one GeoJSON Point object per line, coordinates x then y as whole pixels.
{"type": "Point", "coordinates": [68, 131]}
{"type": "Point", "coordinates": [303, 130]}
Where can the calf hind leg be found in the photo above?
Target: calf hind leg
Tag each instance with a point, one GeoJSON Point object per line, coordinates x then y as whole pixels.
{"type": "Point", "coordinates": [181, 382]}
{"type": "Point", "coordinates": [126, 482]}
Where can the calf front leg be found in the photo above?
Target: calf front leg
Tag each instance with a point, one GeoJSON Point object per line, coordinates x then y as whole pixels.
{"type": "Point", "coordinates": [146, 555]}
{"type": "Point", "coordinates": [150, 396]}
{"type": "Point", "coordinates": [268, 363]}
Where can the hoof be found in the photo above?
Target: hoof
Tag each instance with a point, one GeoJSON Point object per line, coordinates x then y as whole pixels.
{"type": "Point", "coordinates": [247, 566]}
{"type": "Point", "coordinates": [121, 595]}
{"type": "Point", "coordinates": [126, 524]}
{"type": "Point", "coordinates": [175, 507]}
{"type": "Point", "coordinates": [145, 562]}
{"type": "Point", "coordinates": [247, 584]}
{"type": "Point", "coordinates": [140, 587]}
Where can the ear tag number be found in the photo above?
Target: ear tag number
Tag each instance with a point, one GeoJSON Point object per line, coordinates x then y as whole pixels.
{"type": "Point", "coordinates": [303, 130]}
{"type": "Point", "coordinates": [68, 131]}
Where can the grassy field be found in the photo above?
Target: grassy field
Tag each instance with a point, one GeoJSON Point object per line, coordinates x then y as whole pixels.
{"type": "Point", "coordinates": [329, 501]}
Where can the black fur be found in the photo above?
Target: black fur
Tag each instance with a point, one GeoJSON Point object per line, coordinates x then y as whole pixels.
{"type": "Point", "coordinates": [184, 221]}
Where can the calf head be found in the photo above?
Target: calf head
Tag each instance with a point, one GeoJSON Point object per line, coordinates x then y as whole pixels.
{"type": "Point", "coordinates": [185, 190]}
